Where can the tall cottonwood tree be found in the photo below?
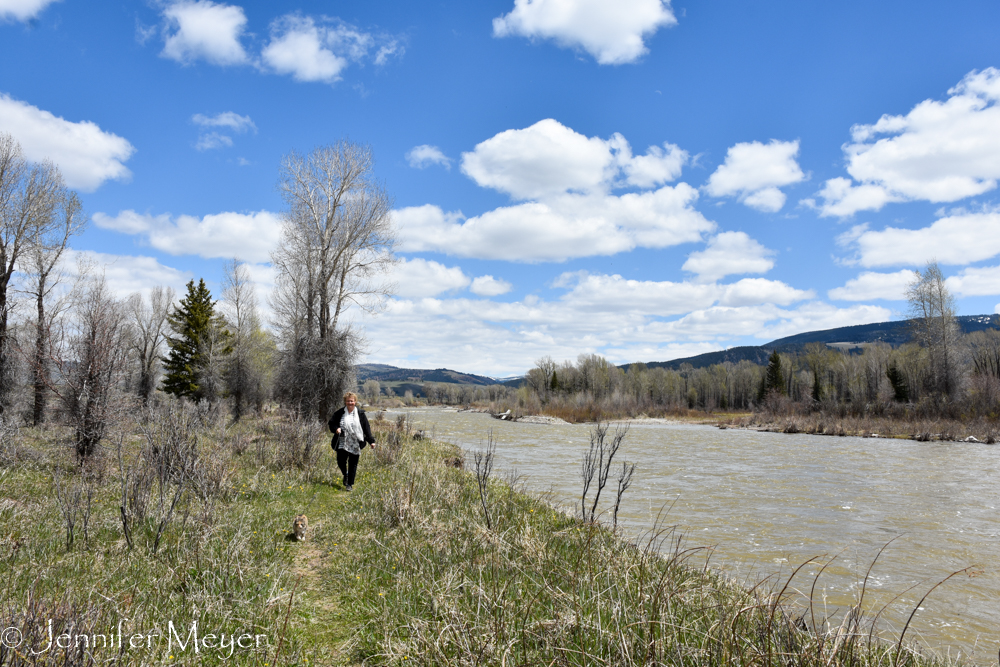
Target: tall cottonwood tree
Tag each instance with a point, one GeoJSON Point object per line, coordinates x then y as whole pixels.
{"type": "Point", "coordinates": [58, 217]}
{"type": "Point", "coordinates": [149, 331]}
{"type": "Point", "coordinates": [932, 310]}
{"type": "Point", "coordinates": [32, 198]}
{"type": "Point", "coordinates": [91, 361]}
{"type": "Point", "coordinates": [335, 250]}
{"type": "Point", "coordinates": [248, 368]}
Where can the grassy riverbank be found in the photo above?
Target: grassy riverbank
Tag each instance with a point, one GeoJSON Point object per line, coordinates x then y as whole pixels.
{"type": "Point", "coordinates": [911, 428]}
{"type": "Point", "coordinates": [412, 567]}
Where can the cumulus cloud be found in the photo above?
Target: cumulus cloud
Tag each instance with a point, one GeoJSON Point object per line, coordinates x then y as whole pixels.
{"type": "Point", "coordinates": [817, 316]}
{"type": "Point", "coordinates": [249, 236]}
{"type": "Point", "coordinates": [957, 239]}
{"type": "Point", "coordinates": [425, 155]}
{"type": "Point", "coordinates": [625, 320]}
{"type": "Point", "coordinates": [204, 30]}
{"type": "Point", "coordinates": [126, 274]}
{"type": "Point", "coordinates": [417, 278]}
{"type": "Point", "coordinates": [664, 298]}
{"type": "Point", "coordinates": [563, 182]}
{"type": "Point", "coordinates": [729, 253]}
{"type": "Point", "coordinates": [612, 31]}
{"type": "Point", "coordinates": [86, 155]}
{"type": "Point", "coordinates": [871, 285]}
{"type": "Point", "coordinates": [489, 286]}
{"type": "Point", "coordinates": [548, 159]}
{"type": "Point", "coordinates": [938, 152]}
{"type": "Point", "coordinates": [312, 49]}
{"type": "Point", "coordinates": [22, 10]}
{"type": "Point", "coordinates": [983, 281]}
{"type": "Point", "coordinates": [559, 228]}
{"type": "Point", "coordinates": [754, 171]}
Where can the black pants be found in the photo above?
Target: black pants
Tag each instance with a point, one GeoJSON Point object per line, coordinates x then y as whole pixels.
{"type": "Point", "coordinates": [348, 464]}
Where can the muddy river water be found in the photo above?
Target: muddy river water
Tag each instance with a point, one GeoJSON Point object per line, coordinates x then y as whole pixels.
{"type": "Point", "coordinates": [767, 502]}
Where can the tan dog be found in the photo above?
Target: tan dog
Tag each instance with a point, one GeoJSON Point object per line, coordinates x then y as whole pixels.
{"type": "Point", "coordinates": [300, 526]}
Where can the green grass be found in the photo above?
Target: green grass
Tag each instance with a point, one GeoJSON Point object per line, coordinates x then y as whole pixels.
{"type": "Point", "coordinates": [401, 571]}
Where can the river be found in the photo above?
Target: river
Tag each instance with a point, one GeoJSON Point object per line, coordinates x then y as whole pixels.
{"type": "Point", "coordinates": [767, 502]}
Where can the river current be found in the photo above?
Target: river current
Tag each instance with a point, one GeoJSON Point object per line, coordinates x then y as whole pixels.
{"type": "Point", "coordinates": [767, 502]}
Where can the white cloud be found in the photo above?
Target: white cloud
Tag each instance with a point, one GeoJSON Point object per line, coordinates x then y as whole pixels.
{"type": "Point", "coordinates": [958, 239]}
{"type": "Point", "coordinates": [559, 228]}
{"type": "Point", "coordinates": [126, 274]}
{"type": "Point", "coordinates": [540, 161]}
{"type": "Point", "coordinates": [871, 285]}
{"type": "Point", "coordinates": [22, 10]}
{"type": "Point", "coordinates": [390, 48]}
{"type": "Point", "coordinates": [817, 316]}
{"type": "Point", "coordinates": [249, 236]}
{"type": "Point", "coordinates": [612, 31]}
{"type": "Point", "coordinates": [566, 179]}
{"type": "Point", "coordinates": [756, 291]}
{"type": "Point", "coordinates": [204, 30]}
{"type": "Point", "coordinates": [656, 167]}
{"type": "Point", "coordinates": [754, 171]}
{"type": "Point", "coordinates": [423, 156]}
{"type": "Point", "coordinates": [729, 253]}
{"type": "Point", "coordinates": [226, 119]}
{"type": "Point", "coordinates": [615, 294]}
{"type": "Point", "coordinates": [86, 155]}
{"type": "Point", "coordinates": [548, 159]}
{"type": "Point", "coordinates": [489, 286]}
{"type": "Point", "coordinates": [938, 152]}
{"type": "Point", "coordinates": [609, 315]}
{"type": "Point", "coordinates": [417, 278]}
{"type": "Point", "coordinates": [211, 140]}
{"type": "Point", "coordinates": [983, 281]}
{"type": "Point", "coordinates": [842, 198]}
{"type": "Point", "coordinates": [311, 50]}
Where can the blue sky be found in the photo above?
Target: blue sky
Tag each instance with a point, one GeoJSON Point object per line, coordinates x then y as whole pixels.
{"type": "Point", "coordinates": [634, 178]}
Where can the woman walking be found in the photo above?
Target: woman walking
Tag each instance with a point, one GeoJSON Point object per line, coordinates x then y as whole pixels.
{"type": "Point", "coordinates": [351, 433]}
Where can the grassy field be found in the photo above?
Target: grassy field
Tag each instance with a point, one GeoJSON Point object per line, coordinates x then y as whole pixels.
{"type": "Point", "coordinates": [415, 566]}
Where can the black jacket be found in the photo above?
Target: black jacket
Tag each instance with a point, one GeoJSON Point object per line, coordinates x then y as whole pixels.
{"type": "Point", "coordinates": [335, 424]}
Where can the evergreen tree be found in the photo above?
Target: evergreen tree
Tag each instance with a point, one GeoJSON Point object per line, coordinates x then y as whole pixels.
{"type": "Point", "coordinates": [774, 378]}
{"type": "Point", "coordinates": [900, 390]}
{"type": "Point", "coordinates": [201, 338]}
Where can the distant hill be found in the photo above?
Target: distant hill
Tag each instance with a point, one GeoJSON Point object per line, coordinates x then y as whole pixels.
{"type": "Point", "coordinates": [402, 380]}
{"type": "Point", "coordinates": [384, 373]}
{"type": "Point", "coordinates": [894, 333]}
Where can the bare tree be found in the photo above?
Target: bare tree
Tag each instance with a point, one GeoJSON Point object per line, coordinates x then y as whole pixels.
{"type": "Point", "coordinates": [249, 365]}
{"type": "Point", "coordinates": [336, 247]}
{"type": "Point", "coordinates": [90, 363]}
{"type": "Point", "coordinates": [932, 309]}
{"type": "Point", "coordinates": [597, 463]}
{"type": "Point", "coordinates": [24, 194]}
{"type": "Point", "coordinates": [149, 330]}
{"type": "Point", "coordinates": [58, 215]}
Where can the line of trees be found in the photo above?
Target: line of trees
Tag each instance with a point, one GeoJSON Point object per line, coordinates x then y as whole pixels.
{"type": "Point", "coordinates": [940, 373]}
{"type": "Point", "coordinates": [99, 355]}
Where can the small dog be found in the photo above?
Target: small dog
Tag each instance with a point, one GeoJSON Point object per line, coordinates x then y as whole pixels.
{"type": "Point", "coordinates": [299, 527]}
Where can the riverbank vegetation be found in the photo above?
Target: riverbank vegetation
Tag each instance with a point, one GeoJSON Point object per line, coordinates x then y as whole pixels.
{"type": "Point", "coordinates": [184, 518]}
{"type": "Point", "coordinates": [942, 385]}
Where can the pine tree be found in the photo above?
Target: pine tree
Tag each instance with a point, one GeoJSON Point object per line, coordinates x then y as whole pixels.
{"type": "Point", "coordinates": [900, 390]}
{"type": "Point", "coordinates": [201, 335]}
{"type": "Point", "coordinates": [774, 380]}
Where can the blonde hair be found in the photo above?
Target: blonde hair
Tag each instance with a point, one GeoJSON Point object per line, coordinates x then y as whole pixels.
{"type": "Point", "coordinates": [350, 394]}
